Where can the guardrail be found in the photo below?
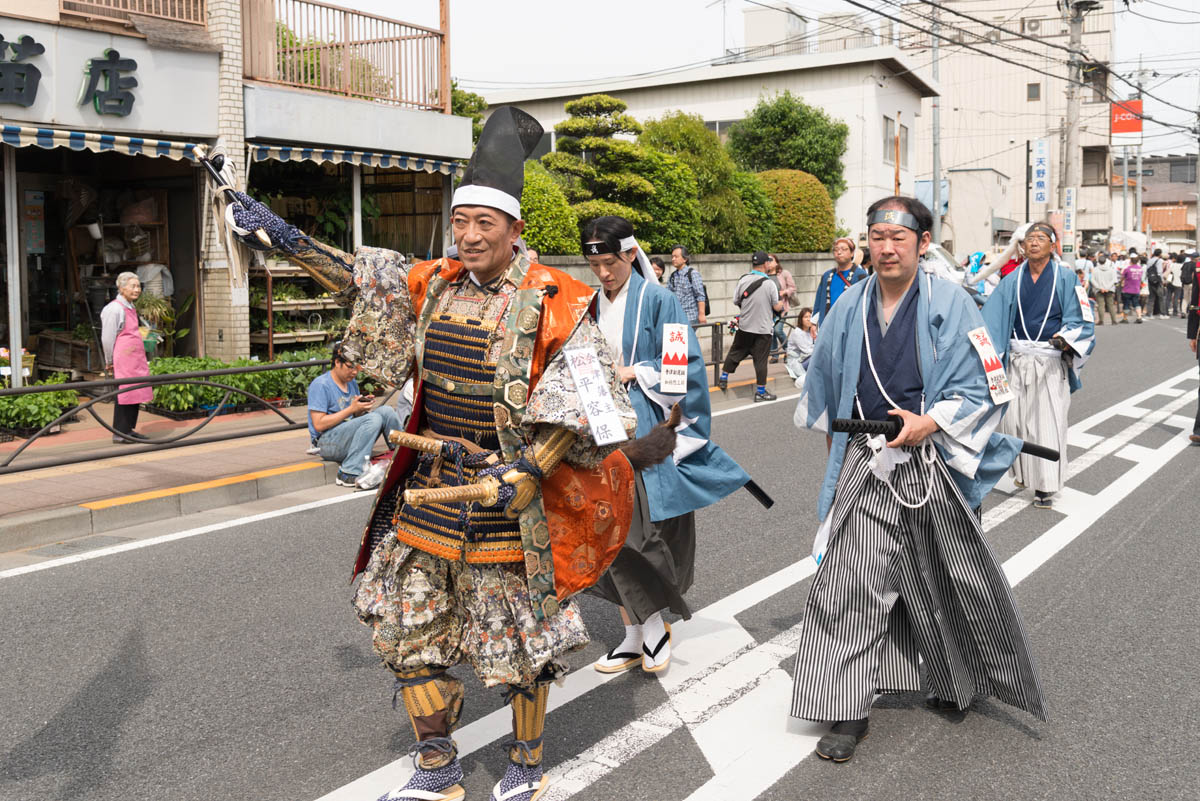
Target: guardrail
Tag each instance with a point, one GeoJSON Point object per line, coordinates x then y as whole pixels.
{"type": "Point", "coordinates": [111, 387]}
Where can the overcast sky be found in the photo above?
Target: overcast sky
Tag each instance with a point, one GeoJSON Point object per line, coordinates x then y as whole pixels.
{"type": "Point", "coordinates": [529, 43]}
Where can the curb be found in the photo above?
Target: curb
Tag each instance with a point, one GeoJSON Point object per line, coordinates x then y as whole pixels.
{"type": "Point", "coordinates": [48, 526]}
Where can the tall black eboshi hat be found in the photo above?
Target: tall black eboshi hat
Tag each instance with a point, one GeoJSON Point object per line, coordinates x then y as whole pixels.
{"type": "Point", "coordinates": [495, 175]}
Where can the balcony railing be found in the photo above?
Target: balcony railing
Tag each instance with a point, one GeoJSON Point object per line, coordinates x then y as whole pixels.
{"type": "Point", "coordinates": [189, 11]}
{"type": "Point", "coordinates": [324, 48]}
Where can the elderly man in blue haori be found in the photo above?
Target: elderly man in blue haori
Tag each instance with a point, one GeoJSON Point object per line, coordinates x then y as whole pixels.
{"type": "Point", "coordinates": [1043, 325]}
{"type": "Point", "coordinates": [655, 567]}
{"type": "Point", "coordinates": [904, 573]}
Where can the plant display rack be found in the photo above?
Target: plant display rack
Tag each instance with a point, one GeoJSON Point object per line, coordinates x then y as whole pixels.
{"type": "Point", "coordinates": [279, 269]}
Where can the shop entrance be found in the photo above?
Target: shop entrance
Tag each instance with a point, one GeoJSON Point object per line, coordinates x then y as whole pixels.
{"type": "Point", "coordinates": [84, 218]}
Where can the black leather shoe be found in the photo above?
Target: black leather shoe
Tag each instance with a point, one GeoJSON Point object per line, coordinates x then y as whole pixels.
{"type": "Point", "coordinates": [947, 708]}
{"type": "Point", "coordinates": [839, 744]}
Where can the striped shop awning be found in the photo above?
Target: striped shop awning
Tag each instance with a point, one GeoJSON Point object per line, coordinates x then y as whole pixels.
{"type": "Point", "coordinates": [50, 138]}
{"type": "Point", "coordinates": [320, 155]}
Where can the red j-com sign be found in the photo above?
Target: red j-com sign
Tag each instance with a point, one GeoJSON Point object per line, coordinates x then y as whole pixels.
{"type": "Point", "coordinates": [1125, 122]}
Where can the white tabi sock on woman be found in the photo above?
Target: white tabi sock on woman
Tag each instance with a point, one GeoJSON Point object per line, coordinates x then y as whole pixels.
{"type": "Point", "coordinates": [626, 655]}
{"type": "Point", "coordinates": [656, 643]}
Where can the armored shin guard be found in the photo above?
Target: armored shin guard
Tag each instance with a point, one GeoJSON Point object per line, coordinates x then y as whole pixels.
{"type": "Point", "coordinates": [433, 700]}
{"type": "Point", "coordinates": [529, 721]}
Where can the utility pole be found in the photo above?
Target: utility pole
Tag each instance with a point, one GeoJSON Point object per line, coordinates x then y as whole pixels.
{"type": "Point", "coordinates": [897, 154]}
{"type": "Point", "coordinates": [1070, 174]}
{"type": "Point", "coordinates": [1125, 188]}
{"type": "Point", "coordinates": [1137, 194]}
{"type": "Point", "coordinates": [1028, 175]}
{"type": "Point", "coordinates": [937, 142]}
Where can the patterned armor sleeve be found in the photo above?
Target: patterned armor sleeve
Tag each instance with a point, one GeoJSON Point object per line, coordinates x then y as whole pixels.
{"type": "Point", "coordinates": [555, 403]}
{"type": "Point", "coordinates": [380, 337]}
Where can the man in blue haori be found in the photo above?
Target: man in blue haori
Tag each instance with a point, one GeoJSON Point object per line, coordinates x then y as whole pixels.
{"type": "Point", "coordinates": [905, 574]}
{"type": "Point", "coordinates": [1041, 321]}
{"type": "Point", "coordinates": [650, 338]}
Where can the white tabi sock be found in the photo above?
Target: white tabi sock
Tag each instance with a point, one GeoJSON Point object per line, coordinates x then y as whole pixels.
{"type": "Point", "coordinates": [632, 644]}
{"type": "Point", "coordinates": [653, 630]}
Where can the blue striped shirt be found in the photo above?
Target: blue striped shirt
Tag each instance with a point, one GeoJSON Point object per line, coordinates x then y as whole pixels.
{"type": "Point", "coordinates": [689, 289]}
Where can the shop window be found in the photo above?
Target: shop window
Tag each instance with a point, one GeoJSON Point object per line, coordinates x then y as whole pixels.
{"type": "Point", "coordinates": [1096, 77]}
{"type": "Point", "coordinates": [1095, 166]}
{"type": "Point", "coordinates": [1183, 172]}
{"type": "Point", "coordinates": [1033, 91]}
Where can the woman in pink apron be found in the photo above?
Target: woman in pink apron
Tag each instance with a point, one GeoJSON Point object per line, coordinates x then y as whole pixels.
{"type": "Point", "coordinates": [125, 355]}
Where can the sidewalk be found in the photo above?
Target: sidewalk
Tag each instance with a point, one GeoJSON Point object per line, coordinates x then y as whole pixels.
{"type": "Point", "coordinates": [53, 504]}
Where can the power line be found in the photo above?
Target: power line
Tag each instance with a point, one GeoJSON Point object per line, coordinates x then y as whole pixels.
{"type": "Point", "coordinates": [1157, 19]}
{"type": "Point", "coordinates": [1173, 8]}
{"type": "Point", "coordinates": [1030, 68]}
{"type": "Point", "coordinates": [982, 39]}
{"type": "Point", "coordinates": [1050, 44]}
{"type": "Point", "coordinates": [998, 27]}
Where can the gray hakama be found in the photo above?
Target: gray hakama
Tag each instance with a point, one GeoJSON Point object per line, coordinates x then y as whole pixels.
{"type": "Point", "coordinates": [898, 585]}
{"type": "Point", "coordinates": [655, 567]}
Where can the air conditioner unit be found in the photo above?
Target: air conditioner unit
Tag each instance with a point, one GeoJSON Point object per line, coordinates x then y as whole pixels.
{"type": "Point", "coordinates": [993, 36]}
{"type": "Point", "coordinates": [1031, 27]}
{"type": "Point", "coordinates": [956, 35]}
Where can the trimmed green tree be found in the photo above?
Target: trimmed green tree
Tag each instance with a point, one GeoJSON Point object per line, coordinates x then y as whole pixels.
{"type": "Point", "coordinates": [468, 104]}
{"type": "Point", "coordinates": [724, 221]}
{"type": "Point", "coordinates": [760, 212]}
{"type": "Point", "coordinates": [804, 221]}
{"type": "Point", "coordinates": [550, 224]}
{"type": "Point", "coordinates": [785, 133]}
{"type": "Point", "coordinates": [602, 174]}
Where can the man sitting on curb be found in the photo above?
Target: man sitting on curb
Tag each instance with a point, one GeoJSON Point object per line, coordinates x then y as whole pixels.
{"type": "Point", "coordinates": [342, 425]}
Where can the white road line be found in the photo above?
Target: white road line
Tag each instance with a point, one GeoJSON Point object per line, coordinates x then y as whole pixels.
{"type": "Point", "coordinates": [241, 521]}
{"type": "Point", "coordinates": [717, 666]}
{"type": "Point", "coordinates": [706, 640]}
{"type": "Point", "coordinates": [758, 405]}
{"type": "Point", "coordinates": [178, 535]}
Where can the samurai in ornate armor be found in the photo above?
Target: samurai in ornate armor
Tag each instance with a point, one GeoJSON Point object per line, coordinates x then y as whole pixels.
{"type": "Point", "coordinates": [508, 493]}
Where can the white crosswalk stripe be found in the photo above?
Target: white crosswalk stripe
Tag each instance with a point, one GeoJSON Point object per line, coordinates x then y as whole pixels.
{"type": "Point", "coordinates": [723, 684]}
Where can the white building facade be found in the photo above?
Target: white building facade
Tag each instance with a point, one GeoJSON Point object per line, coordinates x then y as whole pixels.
{"type": "Point", "coordinates": [869, 89]}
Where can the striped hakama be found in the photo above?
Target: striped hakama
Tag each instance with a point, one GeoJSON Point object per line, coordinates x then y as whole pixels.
{"type": "Point", "coordinates": [897, 586]}
{"type": "Point", "coordinates": [1038, 411]}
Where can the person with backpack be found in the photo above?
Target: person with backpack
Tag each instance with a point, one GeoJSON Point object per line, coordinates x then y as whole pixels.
{"type": "Point", "coordinates": [834, 282]}
{"type": "Point", "coordinates": [758, 299]}
{"type": "Point", "coordinates": [1187, 277]}
{"type": "Point", "coordinates": [1155, 307]}
{"type": "Point", "coordinates": [688, 287]}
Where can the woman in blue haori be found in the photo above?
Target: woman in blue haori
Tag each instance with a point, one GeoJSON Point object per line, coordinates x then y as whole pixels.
{"type": "Point", "coordinates": [655, 568]}
{"type": "Point", "coordinates": [1042, 323]}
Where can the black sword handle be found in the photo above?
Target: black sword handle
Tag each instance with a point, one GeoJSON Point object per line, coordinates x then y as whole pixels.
{"type": "Point", "coordinates": [891, 428]}
{"type": "Point", "coordinates": [759, 494]}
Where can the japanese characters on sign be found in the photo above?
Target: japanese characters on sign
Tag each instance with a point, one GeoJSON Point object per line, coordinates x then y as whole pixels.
{"type": "Point", "coordinates": [993, 368]}
{"type": "Point", "coordinates": [1069, 197]}
{"type": "Point", "coordinates": [602, 416]}
{"type": "Point", "coordinates": [106, 85]}
{"type": "Point", "coordinates": [1040, 169]}
{"type": "Point", "coordinates": [19, 80]}
{"type": "Point", "coordinates": [674, 359]}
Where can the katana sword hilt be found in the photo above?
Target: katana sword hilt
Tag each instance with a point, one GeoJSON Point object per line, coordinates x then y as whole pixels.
{"type": "Point", "coordinates": [486, 492]}
{"type": "Point", "coordinates": [545, 455]}
{"type": "Point", "coordinates": [891, 429]}
{"type": "Point", "coordinates": [415, 441]}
